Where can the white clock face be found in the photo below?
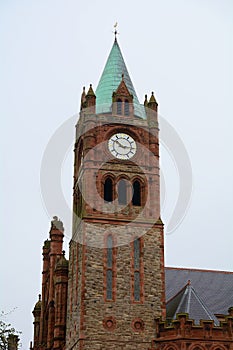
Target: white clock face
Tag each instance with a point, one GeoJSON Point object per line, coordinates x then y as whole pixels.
{"type": "Point", "coordinates": [122, 146]}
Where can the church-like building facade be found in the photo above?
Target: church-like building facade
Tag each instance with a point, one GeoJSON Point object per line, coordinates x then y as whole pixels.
{"type": "Point", "coordinates": [114, 291]}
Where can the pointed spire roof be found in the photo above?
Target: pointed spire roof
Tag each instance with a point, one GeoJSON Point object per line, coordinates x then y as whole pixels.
{"type": "Point", "coordinates": [188, 301]}
{"type": "Point", "coordinates": [152, 98]}
{"type": "Point", "coordinates": [38, 303]}
{"type": "Point", "coordinates": [111, 78]}
{"type": "Point", "coordinates": [90, 91]}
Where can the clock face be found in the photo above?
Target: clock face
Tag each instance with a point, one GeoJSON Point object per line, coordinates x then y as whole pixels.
{"type": "Point", "coordinates": [122, 146]}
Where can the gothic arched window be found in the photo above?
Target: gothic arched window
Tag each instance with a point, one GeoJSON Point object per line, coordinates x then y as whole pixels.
{"type": "Point", "coordinates": [108, 190]}
{"type": "Point", "coordinates": [126, 107]}
{"type": "Point", "coordinates": [122, 192]}
{"type": "Point", "coordinates": [109, 268]}
{"type": "Point", "coordinates": [136, 200]}
{"type": "Point", "coordinates": [119, 106]}
{"type": "Point", "coordinates": [137, 270]}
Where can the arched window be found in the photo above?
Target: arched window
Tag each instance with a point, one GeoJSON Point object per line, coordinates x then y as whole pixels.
{"type": "Point", "coordinates": [136, 269]}
{"type": "Point", "coordinates": [119, 106]}
{"type": "Point", "coordinates": [122, 192]}
{"type": "Point", "coordinates": [108, 189]}
{"type": "Point", "coordinates": [109, 266]}
{"type": "Point", "coordinates": [126, 107]}
{"type": "Point", "coordinates": [136, 193]}
{"type": "Point", "coordinates": [79, 159]}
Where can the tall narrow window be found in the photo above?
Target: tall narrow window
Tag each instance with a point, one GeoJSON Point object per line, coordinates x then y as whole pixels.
{"type": "Point", "coordinates": [126, 107]}
{"type": "Point", "coordinates": [108, 188]}
{"type": "Point", "coordinates": [136, 193]}
{"type": "Point", "coordinates": [109, 272]}
{"type": "Point", "coordinates": [119, 106]}
{"type": "Point", "coordinates": [136, 268]}
{"type": "Point", "coordinates": [122, 192]}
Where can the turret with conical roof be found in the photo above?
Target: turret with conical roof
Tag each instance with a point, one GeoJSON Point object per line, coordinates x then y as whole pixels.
{"type": "Point", "coordinates": [83, 99]}
{"type": "Point", "coordinates": [90, 100]}
{"type": "Point", "coordinates": [188, 301]}
{"type": "Point", "coordinates": [152, 104]}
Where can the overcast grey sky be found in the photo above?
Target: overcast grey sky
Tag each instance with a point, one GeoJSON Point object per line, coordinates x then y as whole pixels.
{"type": "Point", "coordinates": [180, 49]}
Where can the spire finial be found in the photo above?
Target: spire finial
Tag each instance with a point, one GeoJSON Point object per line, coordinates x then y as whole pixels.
{"type": "Point", "coordinates": [115, 30]}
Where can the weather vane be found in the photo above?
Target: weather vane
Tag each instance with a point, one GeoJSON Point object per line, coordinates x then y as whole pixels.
{"type": "Point", "coordinates": [115, 29]}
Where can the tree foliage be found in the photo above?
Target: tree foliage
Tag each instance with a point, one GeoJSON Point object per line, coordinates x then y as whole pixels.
{"type": "Point", "coordinates": [6, 330]}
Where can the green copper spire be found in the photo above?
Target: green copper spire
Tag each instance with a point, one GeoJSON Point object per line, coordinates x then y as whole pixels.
{"type": "Point", "coordinates": [111, 78]}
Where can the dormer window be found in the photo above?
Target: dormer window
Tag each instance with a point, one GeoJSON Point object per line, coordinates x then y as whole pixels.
{"type": "Point", "coordinates": [122, 100]}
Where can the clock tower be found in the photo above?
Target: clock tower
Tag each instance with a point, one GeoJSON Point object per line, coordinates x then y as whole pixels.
{"type": "Point", "coordinates": [116, 262]}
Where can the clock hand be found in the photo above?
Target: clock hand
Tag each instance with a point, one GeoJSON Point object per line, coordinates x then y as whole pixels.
{"type": "Point", "coordinates": [122, 146]}
{"type": "Point", "coordinates": [118, 143]}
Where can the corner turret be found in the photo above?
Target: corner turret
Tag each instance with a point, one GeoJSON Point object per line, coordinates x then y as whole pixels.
{"type": "Point", "coordinates": [51, 307]}
{"type": "Point", "coordinates": [152, 104]}
{"type": "Point", "coordinates": [83, 100]}
{"type": "Point", "coordinates": [37, 314]}
{"type": "Point", "coordinates": [90, 100]}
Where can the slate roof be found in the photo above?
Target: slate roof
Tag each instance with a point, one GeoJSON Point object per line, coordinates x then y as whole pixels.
{"type": "Point", "coordinates": [188, 301]}
{"type": "Point", "coordinates": [110, 80]}
{"type": "Point", "coordinates": [214, 289]}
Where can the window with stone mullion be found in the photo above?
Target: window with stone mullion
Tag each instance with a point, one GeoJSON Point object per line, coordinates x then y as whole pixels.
{"type": "Point", "coordinates": [136, 264]}
{"type": "Point", "coordinates": [109, 269]}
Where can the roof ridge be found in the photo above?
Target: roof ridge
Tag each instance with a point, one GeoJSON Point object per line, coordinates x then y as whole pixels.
{"type": "Point", "coordinates": [197, 269]}
{"type": "Point", "coordinates": [187, 309]}
{"type": "Point", "coordinates": [174, 296]}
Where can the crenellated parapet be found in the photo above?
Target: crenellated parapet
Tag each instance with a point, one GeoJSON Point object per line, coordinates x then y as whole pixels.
{"type": "Point", "coordinates": [183, 333]}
